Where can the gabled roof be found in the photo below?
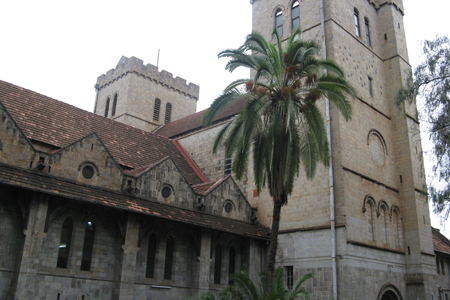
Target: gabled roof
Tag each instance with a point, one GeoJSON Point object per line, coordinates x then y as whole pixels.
{"type": "Point", "coordinates": [440, 242]}
{"type": "Point", "coordinates": [194, 122]}
{"type": "Point", "coordinates": [55, 123]}
{"type": "Point", "coordinates": [41, 182]}
{"type": "Point", "coordinates": [204, 188]}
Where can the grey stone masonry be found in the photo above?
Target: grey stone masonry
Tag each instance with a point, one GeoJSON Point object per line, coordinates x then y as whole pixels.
{"type": "Point", "coordinates": [141, 96]}
{"type": "Point", "coordinates": [150, 72]}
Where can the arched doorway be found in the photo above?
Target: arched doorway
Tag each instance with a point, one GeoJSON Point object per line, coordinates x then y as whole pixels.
{"type": "Point", "coordinates": [389, 292]}
{"type": "Point", "coordinates": [389, 295]}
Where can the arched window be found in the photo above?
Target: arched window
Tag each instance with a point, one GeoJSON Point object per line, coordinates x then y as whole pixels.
{"type": "Point", "coordinates": [397, 227]}
{"type": "Point", "coordinates": [168, 113]}
{"type": "Point", "coordinates": [64, 244]}
{"type": "Point", "coordinates": [366, 22]}
{"type": "Point", "coordinates": [156, 109]}
{"type": "Point", "coordinates": [107, 107]}
{"type": "Point", "coordinates": [279, 21]}
{"type": "Point", "coordinates": [151, 257]}
{"type": "Point", "coordinates": [88, 246]}
{"type": "Point", "coordinates": [113, 112]}
{"type": "Point", "coordinates": [358, 31]}
{"type": "Point", "coordinates": [370, 218]}
{"type": "Point", "coordinates": [217, 264]}
{"type": "Point", "coordinates": [295, 15]}
{"type": "Point", "coordinates": [231, 264]}
{"type": "Point", "coordinates": [168, 264]}
{"type": "Point", "coordinates": [384, 218]}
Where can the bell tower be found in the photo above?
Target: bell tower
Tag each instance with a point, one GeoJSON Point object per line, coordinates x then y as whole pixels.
{"type": "Point", "coordinates": [362, 227]}
{"type": "Point", "coordinates": [141, 96]}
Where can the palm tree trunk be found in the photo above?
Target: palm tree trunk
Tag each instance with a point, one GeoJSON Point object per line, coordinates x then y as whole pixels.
{"type": "Point", "coordinates": [270, 264]}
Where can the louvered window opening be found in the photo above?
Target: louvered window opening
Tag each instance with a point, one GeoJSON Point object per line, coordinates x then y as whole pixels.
{"type": "Point", "coordinates": [113, 112]}
{"type": "Point", "coordinates": [168, 113]}
{"type": "Point", "coordinates": [156, 109]}
{"type": "Point", "coordinates": [107, 107]}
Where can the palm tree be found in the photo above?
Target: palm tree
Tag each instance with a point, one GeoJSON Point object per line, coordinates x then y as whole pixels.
{"type": "Point", "coordinates": [280, 125]}
{"type": "Point", "coordinates": [246, 289]}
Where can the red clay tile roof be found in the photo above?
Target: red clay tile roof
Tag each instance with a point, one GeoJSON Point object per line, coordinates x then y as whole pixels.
{"type": "Point", "coordinates": [202, 188]}
{"type": "Point", "coordinates": [59, 124]}
{"type": "Point", "coordinates": [194, 122]}
{"type": "Point", "coordinates": [440, 242]}
{"type": "Point", "coordinates": [33, 180]}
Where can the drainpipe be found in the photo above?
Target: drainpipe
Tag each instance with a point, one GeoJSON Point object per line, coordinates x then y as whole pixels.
{"type": "Point", "coordinates": [96, 87]}
{"type": "Point", "coordinates": [330, 169]}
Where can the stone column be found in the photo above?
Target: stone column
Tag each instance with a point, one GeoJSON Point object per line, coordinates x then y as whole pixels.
{"type": "Point", "coordinates": [27, 285]}
{"type": "Point", "coordinates": [204, 259]}
{"type": "Point", "coordinates": [255, 259]}
{"type": "Point", "coordinates": [128, 264]}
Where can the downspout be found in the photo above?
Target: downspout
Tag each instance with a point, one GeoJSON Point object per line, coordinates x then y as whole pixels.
{"type": "Point", "coordinates": [330, 169]}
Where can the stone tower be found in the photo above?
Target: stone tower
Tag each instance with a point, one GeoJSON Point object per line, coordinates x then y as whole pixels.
{"type": "Point", "coordinates": [141, 96]}
{"type": "Point", "coordinates": [362, 227]}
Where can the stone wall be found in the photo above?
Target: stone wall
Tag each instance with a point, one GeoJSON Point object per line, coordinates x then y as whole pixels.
{"type": "Point", "coordinates": [137, 86]}
{"type": "Point", "coordinates": [199, 146]}
{"type": "Point", "coordinates": [119, 257]}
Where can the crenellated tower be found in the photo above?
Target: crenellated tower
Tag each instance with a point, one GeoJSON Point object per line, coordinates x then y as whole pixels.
{"type": "Point", "coordinates": [369, 226]}
{"type": "Point", "coordinates": [141, 96]}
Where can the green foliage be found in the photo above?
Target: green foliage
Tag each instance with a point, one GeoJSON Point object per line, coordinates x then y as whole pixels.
{"type": "Point", "coordinates": [281, 124]}
{"type": "Point", "coordinates": [246, 289]}
{"type": "Point", "coordinates": [431, 83]}
{"type": "Point", "coordinates": [281, 121]}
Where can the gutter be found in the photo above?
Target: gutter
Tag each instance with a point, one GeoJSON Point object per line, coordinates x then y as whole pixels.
{"type": "Point", "coordinates": [330, 169]}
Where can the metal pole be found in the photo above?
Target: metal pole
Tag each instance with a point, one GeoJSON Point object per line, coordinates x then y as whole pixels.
{"type": "Point", "coordinates": [330, 169]}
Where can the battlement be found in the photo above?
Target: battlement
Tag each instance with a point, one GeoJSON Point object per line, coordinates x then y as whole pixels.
{"type": "Point", "coordinates": [135, 65]}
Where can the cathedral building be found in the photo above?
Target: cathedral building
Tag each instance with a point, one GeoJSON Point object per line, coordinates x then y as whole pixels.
{"type": "Point", "coordinates": [129, 202]}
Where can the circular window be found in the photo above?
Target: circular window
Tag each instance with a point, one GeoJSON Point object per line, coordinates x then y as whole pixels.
{"type": "Point", "coordinates": [228, 207]}
{"type": "Point", "coordinates": [166, 192]}
{"type": "Point", "coordinates": [88, 172]}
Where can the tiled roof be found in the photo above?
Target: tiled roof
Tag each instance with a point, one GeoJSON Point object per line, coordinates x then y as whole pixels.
{"type": "Point", "coordinates": [33, 180]}
{"type": "Point", "coordinates": [194, 122]}
{"type": "Point", "coordinates": [203, 188]}
{"type": "Point", "coordinates": [440, 242]}
{"type": "Point", "coordinates": [59, 124]}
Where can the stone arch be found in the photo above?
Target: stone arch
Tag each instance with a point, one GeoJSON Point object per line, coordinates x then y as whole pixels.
{"type": "Point", "coordinates": [397, 226]}
{"type": "Point", "coordinates": [370, 210]}
{"type": "Point", "coordinates": [234, 244]}
{"type": "Point", "coordinates": [384, 204]}
{"type": "Point", "coordinates": [61, 213]}
{"type": "Point", "coordinates": [94, 219]}
{"type": "Point", "coordinates": [389, 292]}
{"type": "Point", "coordinates": [377, 146]}
{"type": "Point", "coordinates": [383, 214]}
{"type": "Point", "coordinates": [278, 13]}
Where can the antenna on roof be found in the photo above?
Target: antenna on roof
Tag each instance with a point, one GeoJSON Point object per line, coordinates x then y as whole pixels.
{"type": "Point", "coordinates": [157, 61]}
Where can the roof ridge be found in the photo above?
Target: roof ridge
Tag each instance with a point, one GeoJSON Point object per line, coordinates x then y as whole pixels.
{"type": "Point", "coordinates": [58, 124]}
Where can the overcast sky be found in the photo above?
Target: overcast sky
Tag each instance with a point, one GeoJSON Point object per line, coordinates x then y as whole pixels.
{"type": "Point", "coordinates": [59, 48]}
